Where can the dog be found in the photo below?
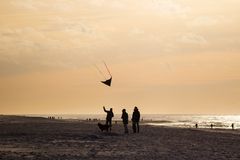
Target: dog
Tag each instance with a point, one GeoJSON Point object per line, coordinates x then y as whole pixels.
{"type": "Point", "coordinates": [103, 127]}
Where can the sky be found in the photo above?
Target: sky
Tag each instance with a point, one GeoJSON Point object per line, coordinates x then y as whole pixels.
{"type": "Point", "coordinates": [165, 56]}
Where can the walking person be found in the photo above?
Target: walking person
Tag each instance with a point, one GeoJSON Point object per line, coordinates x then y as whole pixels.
{"type": "Point", "coordinates": [211, 126]}
{"type": "Point", "coordinates": [109, 117]}
{"type": "Point", "coordinates": [135, 120]}
{"type": "Point", "coordinates": [125, 120]}
{"type": "Point", "coordinates": [196, 125]}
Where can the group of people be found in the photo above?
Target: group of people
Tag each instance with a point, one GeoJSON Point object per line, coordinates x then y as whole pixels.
{"type": "Point", "coordinates": [211, 125]}
{"type": "Point", "coordinates": [135, 119]}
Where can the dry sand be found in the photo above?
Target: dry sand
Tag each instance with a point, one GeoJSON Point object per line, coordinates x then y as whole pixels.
{"type": "Point", "coordinates": [38, 138]}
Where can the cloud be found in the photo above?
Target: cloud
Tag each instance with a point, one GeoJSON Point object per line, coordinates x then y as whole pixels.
{"type": "Point", "coordinates": [60, 5]}
{"type": "Point", "coordinates": [67, 25]}
{"type": "Point", "coordinates": [114, 4]}
{"type": "Point", "coordinates": [144, 7]}
{"type": "Point", "coordinates": [29, 49]}
{"type": "Point", "coordinates": [167, 7]}
{"type": "Point", "coordinates": [191, 38]}
{"type": "Point", "coordinates": [136, 31]}
{"type": "Point", "coordinates": [203, 21]}
{"type": "Point", "coordinates": [60, 43]}
{"type": "Point", "coordinates": [40, 34]}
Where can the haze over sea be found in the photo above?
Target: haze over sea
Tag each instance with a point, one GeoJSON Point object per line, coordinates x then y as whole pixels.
{"type": "Point", "coordinates": [170, 120]}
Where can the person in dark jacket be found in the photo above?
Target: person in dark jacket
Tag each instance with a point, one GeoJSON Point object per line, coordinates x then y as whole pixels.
{"type": "Point", "coordinates": [109, 117]}
{"type": "Point", "coordinates": [135, 120]}
{"type": "Point", "coordinates": [125, 120]}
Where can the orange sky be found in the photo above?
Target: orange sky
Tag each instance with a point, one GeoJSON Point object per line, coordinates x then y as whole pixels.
{"type": "Point", "coordinates": [166, 56]}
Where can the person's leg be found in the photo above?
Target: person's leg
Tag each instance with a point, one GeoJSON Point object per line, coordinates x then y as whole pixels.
{"type": "Point", "coordinates": [106, 121]}
{"type": "Point", "coordinates": [134, 127]}
{"type": "Point", "coordinates": [110, 124]}
{"type": "Point", "coordinates": [138, 127]}
{"type": "Point", "coordinates": [125, 128]}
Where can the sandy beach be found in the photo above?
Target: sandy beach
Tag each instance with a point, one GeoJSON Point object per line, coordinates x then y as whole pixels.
{"type": "Point", "coordinates": [44, 139]}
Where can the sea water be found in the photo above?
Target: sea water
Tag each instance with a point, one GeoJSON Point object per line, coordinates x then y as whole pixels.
{"type": "Point", "coordinates": [171, 120]}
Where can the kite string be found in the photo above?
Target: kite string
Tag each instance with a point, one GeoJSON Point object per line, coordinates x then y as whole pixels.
{"type": "Point", "coordinates": [107, 68]}
{"type": "Point", "coordinates": [100, 72]}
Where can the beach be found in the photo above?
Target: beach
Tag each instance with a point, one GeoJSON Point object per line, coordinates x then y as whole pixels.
{"type": "Point", "coordinates": [45, 139]}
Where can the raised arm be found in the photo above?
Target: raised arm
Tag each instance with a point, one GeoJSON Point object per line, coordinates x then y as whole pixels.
{"type": "Point", "coordinates": [104, 109]}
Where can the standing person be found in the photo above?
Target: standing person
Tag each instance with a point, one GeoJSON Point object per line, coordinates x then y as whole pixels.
{"type": "Point", "coordinates": [109, 117]}
{"type": "Point", "coordinates": [135, 120]}
{"type": "Point", "coordinates": [232, 126]}
{"type": "Point", "coordinates": [125, 120]}
{"type": "Point", "coordinates": [196, 125]}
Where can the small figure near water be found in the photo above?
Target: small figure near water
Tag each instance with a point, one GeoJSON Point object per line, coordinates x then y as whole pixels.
{"type": "Point", "coordinates": [51, 118]}
{"type": "Point", "coordinates": [232, 126]}
{"type": "Point", "coordinates": [196, 125]}
{"type": "Point", "coordinates": [109, 117]}
{"type": "Point", "coordinates": [211, 126]}
{"type": "Point", "coordinates": [135, 120]}
{"type": "Point", "coordinates": [125, 120]}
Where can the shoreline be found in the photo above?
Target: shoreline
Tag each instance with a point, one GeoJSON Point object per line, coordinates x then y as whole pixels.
{"type": "Point", "coordinates": [157, 123]}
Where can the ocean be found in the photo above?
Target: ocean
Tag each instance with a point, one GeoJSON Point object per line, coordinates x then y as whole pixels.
{"type": "Point", "coordinates": [170, 120]}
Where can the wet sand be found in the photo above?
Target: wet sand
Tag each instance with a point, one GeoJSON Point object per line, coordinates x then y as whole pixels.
{"type": "Point", "coordinates": [39, 138]}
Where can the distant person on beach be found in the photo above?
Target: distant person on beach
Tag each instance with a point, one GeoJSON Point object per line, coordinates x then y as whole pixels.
{"type": "Point", "coordinates": [125, 120]}
{"type": "Point", "coordinates": [196, 125]}
{"type": "Point", "coordinates": [135, 120]}
{"type": "Point", "coordinates": [211, 126]}
{"type": "Point", "coordinates": [109, 117]}
{"type": "Point", "coordinates": [232, 126]}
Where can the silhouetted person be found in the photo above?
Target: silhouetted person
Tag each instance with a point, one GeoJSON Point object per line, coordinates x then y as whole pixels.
{"type": "Point", "coordinates": [125, 120]}
{"type": "Point", "coordinates": [109, 117]}
{"type": "Point", "coordinates": [196, 125]}
{"type": "Point", "coordinates": [232, 126]}
{"type": "Point", "coordinates": [211, 126]}
{"type": "Point", "coordinates": [135, 120]}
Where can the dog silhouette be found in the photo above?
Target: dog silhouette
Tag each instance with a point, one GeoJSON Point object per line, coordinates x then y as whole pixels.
{"type": "Point", "coordinates": [103, 127]}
